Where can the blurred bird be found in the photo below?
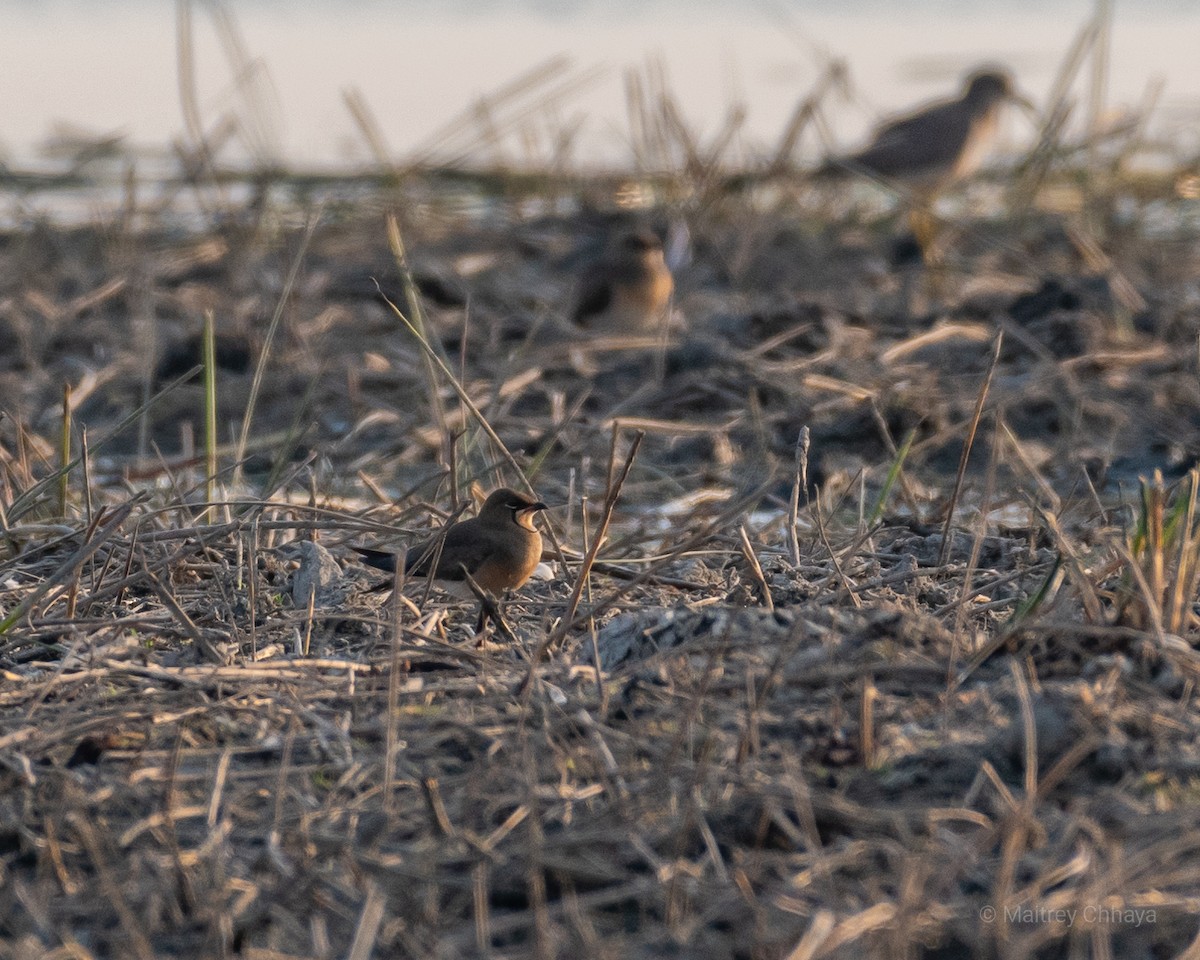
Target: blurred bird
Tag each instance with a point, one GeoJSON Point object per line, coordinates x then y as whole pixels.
{"type": "Point", "coordinates": [628, 291]}
{"type": "Point", "coordinates": [932, 147]}
{"type": "Point", "coordinates": [499, 549]}
{"type": "Point", "coordinates": [233, 353]}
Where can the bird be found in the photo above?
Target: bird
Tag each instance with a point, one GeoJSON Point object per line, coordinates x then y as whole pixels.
{"type": "Point", "coordinates": [944, 141]}
{"type": "Point", "coordinates": [234, 354]}
{"type": "Point", "coordinates": [499, 549]}
{"type": "Point", "coordinates": [627, 292]}
{"type": "Point", "coordinates": [935, 145]}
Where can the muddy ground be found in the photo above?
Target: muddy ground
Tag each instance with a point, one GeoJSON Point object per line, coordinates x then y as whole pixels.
{"type": "Point", "coordinates": [844, 736]}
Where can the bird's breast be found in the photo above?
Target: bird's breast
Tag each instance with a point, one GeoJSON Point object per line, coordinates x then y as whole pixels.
{"type": "Point", "coordinates": [979, 140]}
{"type": "Point", "coordinates": [509, 567]}
{"type": "Point", "coordinates": [638, 306]}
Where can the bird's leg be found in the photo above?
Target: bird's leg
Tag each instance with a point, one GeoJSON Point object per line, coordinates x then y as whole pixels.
{"type": "Point", "coordinates": [924, 227]}
{"type": "Point", "coordinates": [927, 232]}
{"type": "Point", "coordinates": [489, 609]}
{"type": "Point", "coordinates": [502, 626]}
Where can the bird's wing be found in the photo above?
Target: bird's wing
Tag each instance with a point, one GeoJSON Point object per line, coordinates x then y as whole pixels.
{"type": "Point", "coordinates": [595, 295]}
{"type": "Point", "coordinates": [931, 138]}
{"type": "Point", "coordinates": [464, 547]}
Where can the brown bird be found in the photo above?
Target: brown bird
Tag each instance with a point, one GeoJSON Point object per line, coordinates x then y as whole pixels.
{"type": "Point", "coordinates": [499, 549]}
{"type": "Point", "coordinates": [943, 141]}
{"type": "Point", "coordinates": [932, 147]}
{"type": "Point", "coordinates": [628, 291]}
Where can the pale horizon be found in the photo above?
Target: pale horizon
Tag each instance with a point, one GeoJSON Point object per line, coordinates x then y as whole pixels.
{"type": "Point", "coordinates": [114, 70]}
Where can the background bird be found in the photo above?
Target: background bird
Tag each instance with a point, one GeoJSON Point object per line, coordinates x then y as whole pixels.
{"type": "Point", "coordinates": [927, 150]}
{"type": "Point", "coordinates": [500, 549]}
{"type": "Point", "coordinates": [628, 291]}
{"type": "Point", "coordinates": [944, 141]}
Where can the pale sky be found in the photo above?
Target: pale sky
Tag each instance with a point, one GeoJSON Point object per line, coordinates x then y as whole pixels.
{"type": "Point", "coordinates": [112, 66]}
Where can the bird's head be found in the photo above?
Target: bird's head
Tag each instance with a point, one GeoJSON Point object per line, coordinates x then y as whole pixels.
{"type": "Point", "coordinates": [639, 245]}
{"type": "Point", "coordinates": [505, 506]}
{"type": "Point", "coordinates": [986, 88]}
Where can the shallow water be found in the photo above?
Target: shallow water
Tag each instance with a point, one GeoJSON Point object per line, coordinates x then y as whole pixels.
{"type": "Point", "coordinates": [112, 67]}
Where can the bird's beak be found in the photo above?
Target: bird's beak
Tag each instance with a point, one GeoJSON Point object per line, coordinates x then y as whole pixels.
{"type": "Point", "coordinates": [1027, 105]}
{"type": "Point", "coordinates": [524, 516]}
{"type": "Point", "coordinates": [532, 509]}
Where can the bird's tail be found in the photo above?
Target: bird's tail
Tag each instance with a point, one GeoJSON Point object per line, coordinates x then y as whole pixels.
{"type": "Point", "coordinates": [379, 559]}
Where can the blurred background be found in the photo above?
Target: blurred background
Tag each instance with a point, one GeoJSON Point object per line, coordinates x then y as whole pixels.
{"type": "Point", "coordinates": [552, 79]}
